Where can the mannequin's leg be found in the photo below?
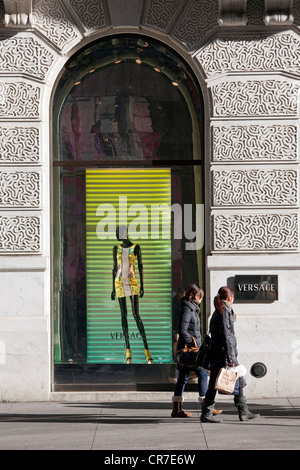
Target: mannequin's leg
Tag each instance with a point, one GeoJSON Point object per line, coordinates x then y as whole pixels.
{"type": "Point", "coordinates": [135, 311]}
{"type": "Point", "coordinates": [123, 308]}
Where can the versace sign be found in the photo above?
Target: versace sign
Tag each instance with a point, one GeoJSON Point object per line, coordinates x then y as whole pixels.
{"type": "Point", "coordinates": [256, 288]}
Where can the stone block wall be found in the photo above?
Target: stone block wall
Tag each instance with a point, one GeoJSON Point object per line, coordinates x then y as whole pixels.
{"type": "Point", "coordinates": [247, 63]}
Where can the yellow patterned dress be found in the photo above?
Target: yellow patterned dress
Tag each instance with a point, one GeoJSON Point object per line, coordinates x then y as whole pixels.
{"type": "Point", "coordinates": [125, 280]}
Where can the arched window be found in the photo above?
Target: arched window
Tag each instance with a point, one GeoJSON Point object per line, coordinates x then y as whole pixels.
{"type": "Point", "coordinates": [127, 120]}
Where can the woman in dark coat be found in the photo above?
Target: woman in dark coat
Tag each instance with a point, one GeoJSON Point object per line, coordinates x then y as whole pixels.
{"type": "Point", "coordinates": [225, 354]}
{"type": "Point", "coordinates": [189, 328]}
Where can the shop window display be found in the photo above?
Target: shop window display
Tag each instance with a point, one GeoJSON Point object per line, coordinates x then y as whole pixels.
{"type": "Point", "coordinates": [123, 104]}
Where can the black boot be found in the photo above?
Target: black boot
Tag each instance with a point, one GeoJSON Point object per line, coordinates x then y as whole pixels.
{"type": "Point", "coordinates": [207, 415]}
{"type": "Point", "coordinates": [244, 413]}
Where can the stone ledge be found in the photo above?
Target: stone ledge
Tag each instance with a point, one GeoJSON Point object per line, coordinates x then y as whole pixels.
{"type": "Point", "coordinates": [254, 261]}
{"type": "Point", "coordinates": [23, 263]}
{"type": "Point", "coordinates": [117, 396]}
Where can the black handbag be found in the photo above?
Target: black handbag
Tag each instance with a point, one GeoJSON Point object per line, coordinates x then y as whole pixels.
{"type": "Point", "coordinates": [188, 356]}
{"type": "Point", "coordinates": [209, 356]}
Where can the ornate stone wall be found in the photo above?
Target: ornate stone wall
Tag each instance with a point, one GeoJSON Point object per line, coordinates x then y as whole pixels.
{"type": "Point", "coordinates": [25, 61]}
{"type": "Point", "coordinates": [250, 80]}
{"type": "Point", "coordinates": [254, 86]}
{"type": "Point", "coordinates": [250, 77]}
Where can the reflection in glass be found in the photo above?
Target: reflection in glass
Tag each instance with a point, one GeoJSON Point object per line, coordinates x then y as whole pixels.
{"type": "Point", "coordinates": [110, 115]}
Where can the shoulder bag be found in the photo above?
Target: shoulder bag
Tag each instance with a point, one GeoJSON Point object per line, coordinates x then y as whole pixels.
{"type": "Point", "coordinates": [188, 356]}
{"type": "Point", "coordinates": [209, 356]}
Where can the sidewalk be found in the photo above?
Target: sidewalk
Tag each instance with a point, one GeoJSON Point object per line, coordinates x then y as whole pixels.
{"type": "Point", "coordinates": [147, 425]}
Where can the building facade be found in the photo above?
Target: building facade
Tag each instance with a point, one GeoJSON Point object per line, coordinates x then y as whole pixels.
{"type": "Point", "coordinates": [198, 99]}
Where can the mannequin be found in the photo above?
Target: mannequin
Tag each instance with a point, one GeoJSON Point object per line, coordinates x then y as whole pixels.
{"type": "Point", "coordinates": [125, 285]}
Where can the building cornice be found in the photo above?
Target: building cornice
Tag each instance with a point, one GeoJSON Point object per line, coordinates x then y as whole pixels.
{"type": "Point", "coordinates": [18, 13]}
{"type": "Point", "coordinates": [278, 12]}
{"type": "Point", "coordinates": [233, 12]}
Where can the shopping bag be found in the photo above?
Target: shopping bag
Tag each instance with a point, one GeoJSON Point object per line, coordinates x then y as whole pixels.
{"type": "Point", "coordinates": [236, 389]}
{"type": "Point", "coordinates": [226, 380]}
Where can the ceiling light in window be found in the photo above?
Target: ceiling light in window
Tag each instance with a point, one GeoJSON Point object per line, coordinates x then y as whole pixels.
{"type": "Point", "coordinates": [142, 43]}
{"type": "Point", "coordinates": [118, 60]}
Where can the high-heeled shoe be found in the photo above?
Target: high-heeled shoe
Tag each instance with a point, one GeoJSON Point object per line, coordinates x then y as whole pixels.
{"type": "Point", "coordinates": [149, 359]}
{"type": "Point", "coordinates": [128, 357]}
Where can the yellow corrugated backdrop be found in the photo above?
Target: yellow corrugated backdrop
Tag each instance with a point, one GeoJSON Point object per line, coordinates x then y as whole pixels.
{"type": "Point", "coordinates": [105, 342]}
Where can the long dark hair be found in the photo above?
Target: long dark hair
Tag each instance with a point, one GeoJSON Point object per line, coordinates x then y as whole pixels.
{"type": "Point", "coordinates": [192, 291]}
{"type": "Point", "coordinates": [223, 294]}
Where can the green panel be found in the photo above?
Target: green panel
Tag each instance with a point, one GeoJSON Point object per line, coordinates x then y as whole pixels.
{"type": "Point", "coordinates": [105, 343]}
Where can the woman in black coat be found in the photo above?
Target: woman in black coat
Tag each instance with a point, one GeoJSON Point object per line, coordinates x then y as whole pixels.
{"type": "Point", "coordinates": [225, 354]}
{"type": "Point", "coordinates": [189, 328]}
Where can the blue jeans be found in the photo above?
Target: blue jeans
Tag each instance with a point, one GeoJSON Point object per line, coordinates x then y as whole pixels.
{"type": "Point", "coordinates": [183, 379]}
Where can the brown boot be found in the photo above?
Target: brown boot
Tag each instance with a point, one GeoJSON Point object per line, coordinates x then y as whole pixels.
{"type": "Point", "coordinates": [177, 411]}
{"type": "Point", "coordinates": [215, 412]}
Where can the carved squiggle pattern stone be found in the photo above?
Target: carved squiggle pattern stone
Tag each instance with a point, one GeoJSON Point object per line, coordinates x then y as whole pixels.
{"type": "Point", "coordinates": [24, 55]}
{"type": "Point", "coordinates": [255, 98]}
{"type": "Point", "coordinates": [161, 13]}
{"type": "Point", "coordinates": [198, 19]}
{"type": "Point", "coordinates": [2, 13]}
{"type": "Point", "coordinates": [19, 99]}
{"type": "Point", "coordinates": [19, 189]}
{"type": "Point", "coordinates": [296, 12]}
{"type": "Point", "coordinates": [255, 12]}
{"type": "Point", "coordinates": [255, 142]}
{"type": "Point", "coordinates": [19, 234]}
{"type": "Point", "coordinates": [251, 54]}
{"type": "Point", "coordinates": [91, 13]}
{"type": "Point", "coordinates": [19, 145]}
{"type": "Point", "coordinates": [256, 232]}
{"type": "Point", "coordinates": [255, 187]}
{"type": "Point", "coordinates": [52, 21]}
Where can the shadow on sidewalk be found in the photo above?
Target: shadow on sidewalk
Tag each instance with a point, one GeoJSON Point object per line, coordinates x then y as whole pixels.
{"type": "Point", "coordinates": [135, 414]}
{"type": "Point", "coordinates": [227, 407]}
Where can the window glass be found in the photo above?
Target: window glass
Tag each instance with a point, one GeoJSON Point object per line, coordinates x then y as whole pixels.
{"type": "Point", "coordinates": [123, 107]}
